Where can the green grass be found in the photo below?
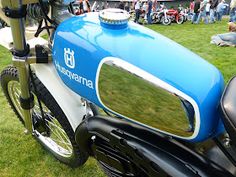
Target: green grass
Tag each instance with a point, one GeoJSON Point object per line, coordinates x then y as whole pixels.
{"type": "Point", "coordinates": [197, 39]}
{"type": "Point", "coordinates": [22, 156]}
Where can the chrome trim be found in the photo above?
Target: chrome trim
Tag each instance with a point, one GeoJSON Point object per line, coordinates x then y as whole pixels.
{"type": "Point", "coordinates": [156, 82]}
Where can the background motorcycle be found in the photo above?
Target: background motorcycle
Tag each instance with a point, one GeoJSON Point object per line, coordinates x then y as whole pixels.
{"type": "Point", "coordinates": [161, 16]}
{"type": "Point", "coordinates": [151, 139]}
{"type": "Point", "coordinates": [175, 16]}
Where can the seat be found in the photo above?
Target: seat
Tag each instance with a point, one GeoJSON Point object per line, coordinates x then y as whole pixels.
{"type": "Point", "coordinates": [228, 108]}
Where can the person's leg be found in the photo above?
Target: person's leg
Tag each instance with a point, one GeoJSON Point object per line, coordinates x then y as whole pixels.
{"type": "Point", "coordinates": [136, 16]}
{"type": "Point", "coordinates": [234, 18]}
{"type": "Point", "coordinates": [207, 18]}
{"type": "Point", "coordinates": [217, 16]}
{"type": "Point", "coordinates": [199, 17]}
{"type": "Point", "coordinates": [232, 15]}
{"type": "Point", "coordinates": [194, 17]}
{"type": "Point", "coordinates": [212, 19]}
{"type": "Point", "coordinates": [220, 16]}
{"type": "Point", "coordinates": [149, 18]}
{"type": "Point", "coordinates": [204, 16]}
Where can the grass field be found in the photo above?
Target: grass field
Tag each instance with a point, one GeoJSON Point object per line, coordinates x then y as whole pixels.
{"type": "Point", "coordinates": [22, 156]}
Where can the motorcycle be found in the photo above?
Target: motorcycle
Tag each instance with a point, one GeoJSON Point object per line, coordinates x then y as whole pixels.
{"type": "Point", "coordinates": [175, 16]}
{"type": "Point", "coordinates": [161, 16]}
{"type": "Point", "coordinates": [138, 114]}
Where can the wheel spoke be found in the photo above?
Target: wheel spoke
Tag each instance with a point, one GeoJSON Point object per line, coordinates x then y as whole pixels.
{"type": "Point", "coordinates": [59, 130]}
{"type": "Point", "coordinates": [60, 139]}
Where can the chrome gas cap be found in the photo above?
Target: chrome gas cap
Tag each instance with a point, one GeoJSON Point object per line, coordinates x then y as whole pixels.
{"type": "Point", "coordinates": [114, 18]}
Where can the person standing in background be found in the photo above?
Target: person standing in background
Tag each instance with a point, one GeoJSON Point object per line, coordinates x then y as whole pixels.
{"type": "Point", "coordinates": [81, 9]}
{"type": "Point", "coordinates": [213, 6]}
{"type": "Point", "coordinates": [149, 10]}
{"type": "Point", "coordinates": [220, 10]}
{"type": "Point", "coordinates": [196, 11]}
{"type": "Point", "coordinates": [137, 8]}
{"type": "Point", "coordinates": [208, 5]}
{"type": "Point", "coordinates": [232, 13]}
{"type": "Point", "coordinates": [180, 8]}
{"type": "Point", "coordinates": [154, 6]}
{"type": "Point", "coordinates": [202, 11]}
{"type": "Point", "coordinates": [86, 6]}
{"type": "Point", "coordinates": [191, 7]}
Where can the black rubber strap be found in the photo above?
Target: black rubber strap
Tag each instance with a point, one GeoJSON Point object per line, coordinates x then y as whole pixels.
{"type": "Point", "coordinates": [22, 53]}
{"type": "Point", "coordinates": [19, 13]}
{"type": "Point", "coordinates": [27, 103]}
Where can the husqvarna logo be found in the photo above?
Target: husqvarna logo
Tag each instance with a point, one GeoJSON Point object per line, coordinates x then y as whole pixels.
{"type": "Point", "coordinates": [69, 57]}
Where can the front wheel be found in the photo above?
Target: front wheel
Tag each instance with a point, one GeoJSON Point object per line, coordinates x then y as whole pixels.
{"type": "Point", "coordinates": [54, 132]}
{"type": "Point", "coordinates": [180, 20]}
{"type": "Point", "coordinates": [166, 21]}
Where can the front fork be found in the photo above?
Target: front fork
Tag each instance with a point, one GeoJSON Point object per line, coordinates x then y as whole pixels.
{"type": "Point", "coordinates": [20, 52]}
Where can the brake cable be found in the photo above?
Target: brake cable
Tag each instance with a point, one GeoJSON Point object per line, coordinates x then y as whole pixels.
{"type": "Point", "coordinates": [38, 100]}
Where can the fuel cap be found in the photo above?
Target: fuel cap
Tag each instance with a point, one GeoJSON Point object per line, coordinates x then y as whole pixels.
{"type": "Point", "coordinates": [114, 18]}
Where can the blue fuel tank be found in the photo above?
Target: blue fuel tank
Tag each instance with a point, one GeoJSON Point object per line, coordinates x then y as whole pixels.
{"type": "Point", "coordinates": [82, 42]}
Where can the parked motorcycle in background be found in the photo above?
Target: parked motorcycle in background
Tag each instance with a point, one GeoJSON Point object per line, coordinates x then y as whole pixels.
{"type": "Point", "coordinates": [161, 16]}
{"type": "Point", "coordinates": [175, 16]}
{"type": "Point", "coordinates": [99, 89]}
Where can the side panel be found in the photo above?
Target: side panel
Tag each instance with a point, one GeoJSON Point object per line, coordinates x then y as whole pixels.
{"type": "Point", "coordinates": [68, 100]}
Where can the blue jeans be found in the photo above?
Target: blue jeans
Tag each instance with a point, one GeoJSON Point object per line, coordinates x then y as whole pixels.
{"type": "Point", "coordinates": [219, 15]}
{"type": "Point", "coordinates": [195, 16]}
{"type": "Point", "coordinates": [149, 18]}
{"type": "Point", "coordinates": [201, 14]}
{"type": "Point", "coordinates": [232, 15]}
{"type": "Point", "coordinates": [212, 16]}
{"type": "Point", "coordinates": [137, 15]}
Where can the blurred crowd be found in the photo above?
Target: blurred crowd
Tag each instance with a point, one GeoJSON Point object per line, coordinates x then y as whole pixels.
{"type": "Point", "coordinates": [82, 6]}
{"type": "Point", "coordinates": [208, 11]}
{"type": "Point", "coordinates": [211, 11]}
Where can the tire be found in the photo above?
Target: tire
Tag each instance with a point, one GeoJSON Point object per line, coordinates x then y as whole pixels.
{"type": "Point", "coordinates": [166, 21]}
{"type": "Point", "coordinates": [155, 18]}
{"type": "Point", "coordinates": [180, 20]}
{"type": "Point", "coordinates": [60, 138]}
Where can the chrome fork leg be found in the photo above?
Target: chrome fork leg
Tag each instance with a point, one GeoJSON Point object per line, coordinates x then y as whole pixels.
{"type": "Point", "coordinates": [25, 94]}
